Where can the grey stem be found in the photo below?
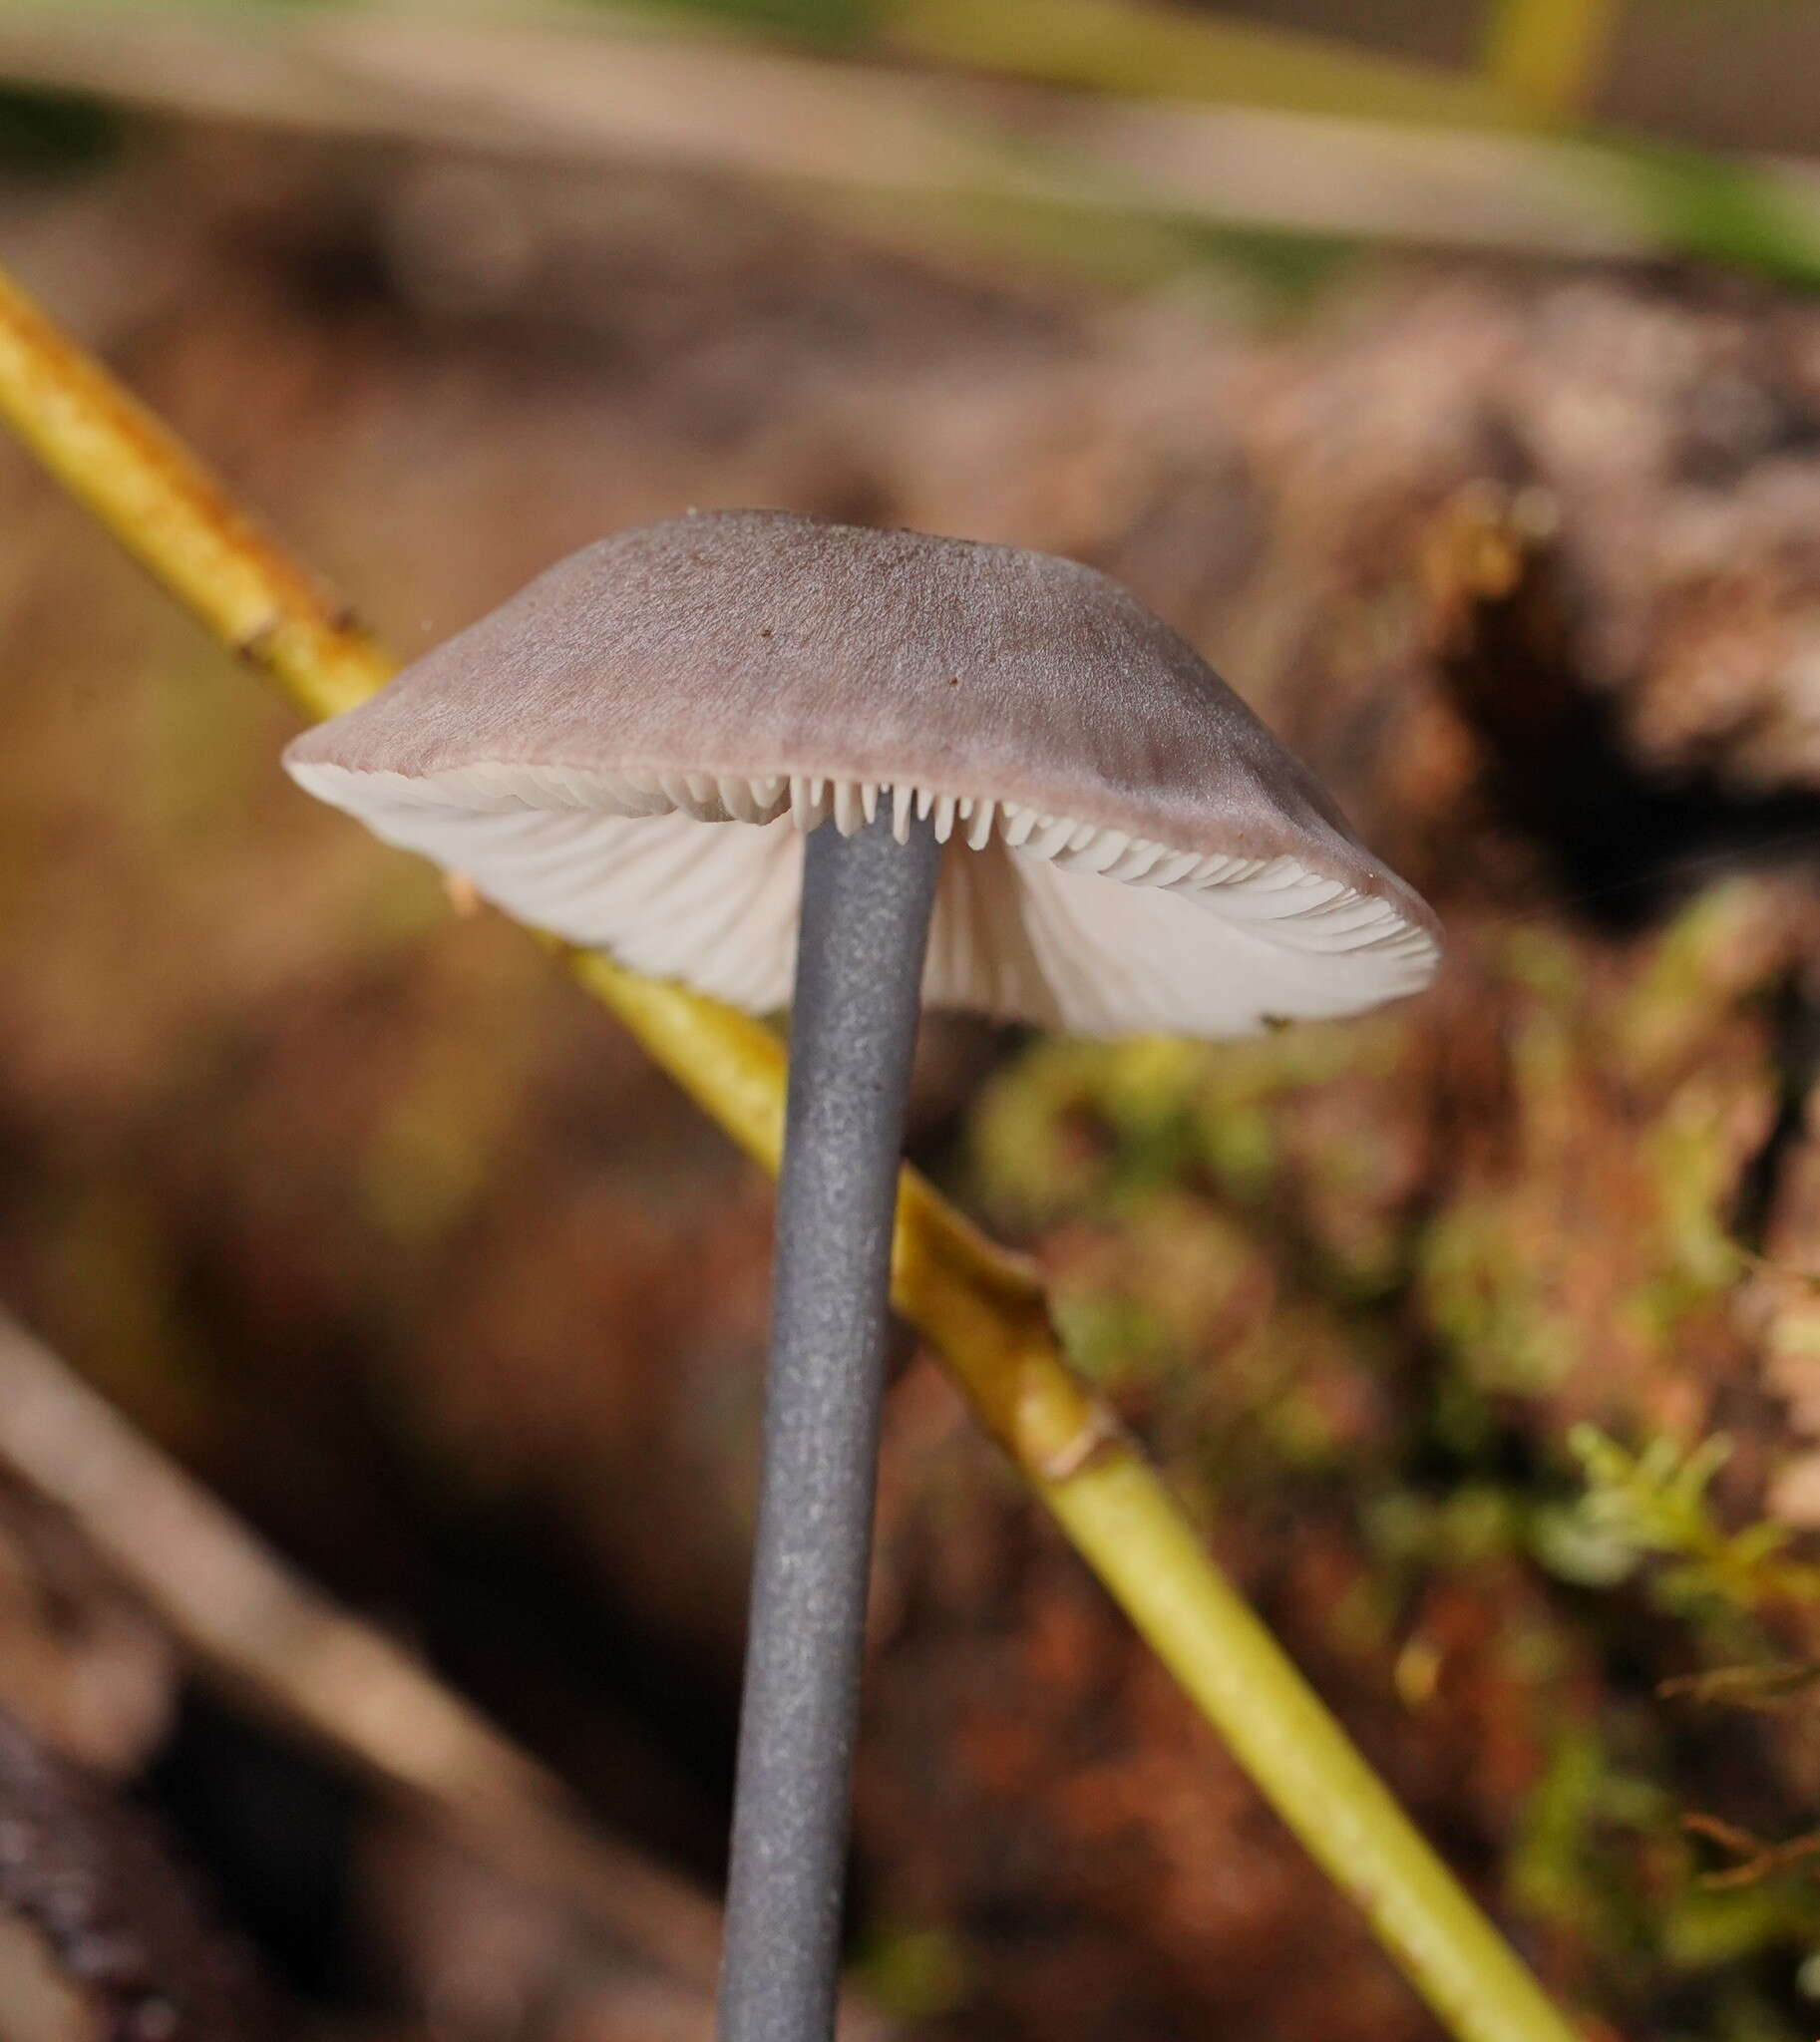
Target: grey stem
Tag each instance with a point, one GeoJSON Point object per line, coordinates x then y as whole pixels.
{"type": "Point", "coordinates": [864, 921]}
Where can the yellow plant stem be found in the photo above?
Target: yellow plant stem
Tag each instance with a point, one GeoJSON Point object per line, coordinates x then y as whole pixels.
{"type": "Point", "coordinates": [1546, 56]}
{"type": "Point", "coordinates": [1143, 48]}
{"type": "Point", "coordinates": [980, 1308]}
{"type": "Point", "coordinates": [165, 508]}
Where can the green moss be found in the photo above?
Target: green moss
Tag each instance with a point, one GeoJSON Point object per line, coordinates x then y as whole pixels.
{"type": "Point", "coordinates": [911, 1974]}
{"type": "Point", "coordinates": [1655, 1506]}
{"type": "Point", "coordinates": [1693, 1166]}
{"type": "Point", "coordinates": [1031, 1155]}
{"type": "Point", "coordinates": [1546, 964]}
{"type": "Point", "coordinates": [1238, 1145]}
{"type": "Point", "coordinates": [1583, 1794]}
{"type": "Point", "coordinates": [1237, 1245]}
{"type": "Point", "coordinates": [1117, 1342]}
{"type": "Point", "coordinates": [1475, 1522]}
{"type": "Point", "coordinates": [1489, 1308]}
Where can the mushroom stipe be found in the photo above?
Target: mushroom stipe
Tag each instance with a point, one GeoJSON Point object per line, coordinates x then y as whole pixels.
{"type": "Point", "coordinates": [733, 749]}
{"type": "Point", "coordinates": [859, 974]}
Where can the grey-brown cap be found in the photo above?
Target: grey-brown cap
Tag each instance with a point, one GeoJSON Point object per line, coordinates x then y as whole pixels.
{"type": "Point", "coordinates": [1131, 851]}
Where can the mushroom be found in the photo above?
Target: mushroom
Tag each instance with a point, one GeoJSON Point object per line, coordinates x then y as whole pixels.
{"type": "Point", "coordinates": [968, 776]}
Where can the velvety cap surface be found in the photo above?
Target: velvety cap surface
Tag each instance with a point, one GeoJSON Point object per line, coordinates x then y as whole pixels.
{"type": "Point", "coordinates": [629, 750]}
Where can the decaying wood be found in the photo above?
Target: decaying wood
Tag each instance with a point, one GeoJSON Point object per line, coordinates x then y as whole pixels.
{"type": "Point", "coordinates": [109, 1942]}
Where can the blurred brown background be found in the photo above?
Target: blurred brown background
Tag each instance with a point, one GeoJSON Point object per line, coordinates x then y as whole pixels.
{"type": "Point", "coordinates": [1504, 510]}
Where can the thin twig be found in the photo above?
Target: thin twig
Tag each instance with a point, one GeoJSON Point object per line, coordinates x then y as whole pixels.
{"type": "Point", "coordinates": [1766, 1690]}
{"type": "Point", "coordinates": [1758, 1857]}
{"type": "Point", "coordinates": [979, 1308]}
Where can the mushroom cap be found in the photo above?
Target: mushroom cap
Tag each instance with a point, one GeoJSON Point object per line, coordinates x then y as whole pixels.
{"type": "Point", "coordinates": [1131, 851]}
